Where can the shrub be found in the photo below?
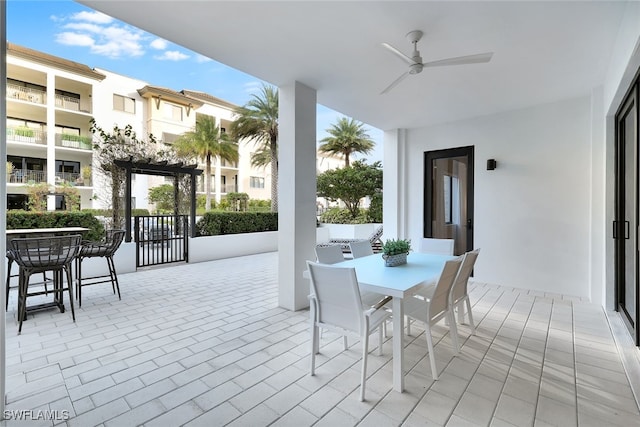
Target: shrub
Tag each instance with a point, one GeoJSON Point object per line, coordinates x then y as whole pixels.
{"type": "Point", "coordinates": [56, 219]}
{"type": "Point", "coordinates": [344, 216]}
{"type": "Point", "coordinates": [218, 223]}
{"type": "Point", "coordinates": [375, 208]}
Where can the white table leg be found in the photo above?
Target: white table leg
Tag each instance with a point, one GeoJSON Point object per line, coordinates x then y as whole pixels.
{"type": "Point", "coordinates": [398, 345]}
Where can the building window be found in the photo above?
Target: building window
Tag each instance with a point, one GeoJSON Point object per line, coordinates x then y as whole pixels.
{"type": "Point", "coordinates": [122, 103]}
{"type": "Point", "coordinates": [256, 182]}
{"type": "Point", "coordinates": [169, 138]}
{"type": "Point", "coordinates": [17, 201]}
{"type": "Point", "coordinates": [173, 112]}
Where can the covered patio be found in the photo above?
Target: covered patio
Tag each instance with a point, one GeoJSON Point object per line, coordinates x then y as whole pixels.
{"type": "Point", "coordinates": [212, 347]}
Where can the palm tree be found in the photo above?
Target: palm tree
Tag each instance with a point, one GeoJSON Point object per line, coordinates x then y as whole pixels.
{"type": "Point", "coordinates": [257, 121]}
{"type": "Point", "coordinates": [206, 142]}
{"type": "Point", "coordinates": [347, 136]}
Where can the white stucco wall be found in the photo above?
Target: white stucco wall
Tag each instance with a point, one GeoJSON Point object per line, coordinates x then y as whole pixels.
{"type": "Point", "coordinates": [532, 214]}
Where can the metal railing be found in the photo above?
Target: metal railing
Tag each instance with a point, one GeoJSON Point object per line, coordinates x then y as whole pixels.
{"type": "Point", "coordinates": [25, 134]}
{"type": "Point", "coordinates": [161, 239]}
{"type": "Point", "coordinates": [72, 178]}
{"type": "Point", "coordinates": [74, 141]}
{"type": "Point", "coordinates": [73, 104]}
{"type": "Point", "coordinates": [26, 94]}
{"type": "Point", "coordinates": [26, 176]}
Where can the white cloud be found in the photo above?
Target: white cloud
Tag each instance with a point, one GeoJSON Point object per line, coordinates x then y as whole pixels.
{"type": "Point", "coordinates": [104, 37]}
{"type": "Point", "coordinates": [74, 39]}
{"type": "Point", "coordinates": [159, 44]}
{"type": "Point", "coordinates": [172, 55]}
{"type": "Point", "coordinates": [252, 87]}
{"type": "Point", "coordinates": [201, 59]}
{"type": "Point", "coordinates": [95, 17]}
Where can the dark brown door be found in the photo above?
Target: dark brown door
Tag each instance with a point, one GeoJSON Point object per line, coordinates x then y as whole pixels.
{"type": "Point", "coordinates": [625, 226]}
{"type": "Point", "coordinates": [448, 200]}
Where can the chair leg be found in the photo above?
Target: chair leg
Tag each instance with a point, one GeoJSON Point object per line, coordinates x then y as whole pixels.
{"type": "Point", "coordinates": [453, 331]}
{"type": "Point", "coordinates": [346, 344]}
{"type": "Point", "coordinates": [432, 357]}
{"type": "Point", "coordinates": [8, 284]}
{"type": "Point", "coordinates": [67, 269]}
{"type": "Point", "coordinates": [23, 283]}
{"type": "Point", "coordinates": [79, 281]}
{"type": "Point", "coordinates": [114, 276]}
{"type": "Point", "coordinates": [365, 351]}
{"type": "Point", "coordinates": [407, 320]}
{"type": "Point", "coordinates": [314, 340]}
{"type": "Point", "coordinates": [380, 339]}
{"type": "Point", "coordinates": [473, 326]}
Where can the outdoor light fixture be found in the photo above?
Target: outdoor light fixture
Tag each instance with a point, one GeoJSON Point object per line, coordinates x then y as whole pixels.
{"type": "Point", "coordinates": [491, 164]}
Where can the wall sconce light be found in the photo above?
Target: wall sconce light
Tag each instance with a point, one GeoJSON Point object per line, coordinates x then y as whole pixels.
{"type": "Point", "coordinates": [491, 164]}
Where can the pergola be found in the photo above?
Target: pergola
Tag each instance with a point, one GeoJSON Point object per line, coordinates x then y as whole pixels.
{"type": "Point", "coordinates": [163, 168]}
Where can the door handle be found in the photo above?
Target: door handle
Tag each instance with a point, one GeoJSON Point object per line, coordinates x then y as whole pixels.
{"type": "Point", "coordinates": [626, 230]}
{"type": "Point", "coordinates": [470, 224]}
{"type": "Point", "coordinates": [615, 229]}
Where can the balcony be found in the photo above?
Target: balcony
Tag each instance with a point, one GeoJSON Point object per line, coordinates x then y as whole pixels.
{"type": "Point", "coordinates": [73, 179]}
{"type": "Point", "coordinates": [26, 135]}
{"type": "Point", "coordinates": [26, 176]}
{"type": "Point", "coordinates": [72, 104]}
{"type": "Point", "coordinates": [227, 188]}
{"type": "Point", "coordinates": [74, 141]}
{"type": "Point", "coordinates": [22, 93]}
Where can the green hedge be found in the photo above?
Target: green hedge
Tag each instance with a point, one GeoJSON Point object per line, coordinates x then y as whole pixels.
{"type": "Point", "coordinates": [23, 219]}
{"type": "Point", "coordinates": [343, 216]}
{"type": "Point", "coordinates": [217, 223]}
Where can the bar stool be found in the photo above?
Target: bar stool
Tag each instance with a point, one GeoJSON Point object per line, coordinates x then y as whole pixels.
{"type": "Point", "coordinates": [105, 249]}
{"type": "Point", "coordinates": [39, 255]}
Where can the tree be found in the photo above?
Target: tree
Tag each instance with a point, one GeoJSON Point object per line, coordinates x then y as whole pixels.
{"type": "Point", "coordinates": [206, 142]}
{"type": "Point", "coordinates": [347, 136]}
{"type": "Point", "coordinates": [350, 184]}
{"type": "Point", "coordinates": [257, 121]}
{"type": "Point", "coordinates": [162, 196]}
{"type": "Point", "coordinates": [121, 143]}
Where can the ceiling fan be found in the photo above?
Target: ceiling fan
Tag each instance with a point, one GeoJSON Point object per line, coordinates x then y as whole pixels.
{"type": "Point", "coordinates": [415, 61]}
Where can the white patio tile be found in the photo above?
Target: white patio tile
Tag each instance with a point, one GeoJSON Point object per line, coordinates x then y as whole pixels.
{"type": "Point", "coordinates": [219, 351]}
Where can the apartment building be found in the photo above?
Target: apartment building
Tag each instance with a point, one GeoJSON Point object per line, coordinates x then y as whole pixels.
{"type": "Point", "coordinates": [49, 108]}
{"type": "Point", "coordinates": [50, 102]}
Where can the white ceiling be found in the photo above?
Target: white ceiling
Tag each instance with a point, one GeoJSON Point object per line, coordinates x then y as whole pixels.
{"type": "Point", "coordinates": [543, 51]}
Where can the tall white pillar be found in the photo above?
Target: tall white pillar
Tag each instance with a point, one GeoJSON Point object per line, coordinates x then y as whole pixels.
{"type": "Point", "coordinates": [394, 201]}
{"type": "Point", "coordinates": [51, 138]}
{"type": "Point", "coordinates": [296, 192]}
{"type": "Point", "coordinates": [3, 201]}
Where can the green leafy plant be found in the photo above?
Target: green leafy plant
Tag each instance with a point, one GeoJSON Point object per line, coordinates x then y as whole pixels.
{"type": "Point", "coordinates": [25, 131]}
{"type": "Point", "coordinates": [396, 246]}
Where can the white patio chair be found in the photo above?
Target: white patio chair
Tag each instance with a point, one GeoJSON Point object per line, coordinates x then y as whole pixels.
{"type": "Point", "coordinates": [459, 293]}
{"type": "Point", "coordinates": [435, 309]}
{"type": "Point", "coordinates": [437, 246]}
{"type": "Point", "coordinates": [360, 249]}
{"type": "Point", "coordinates": [329, 254]}
{"type": "Point", "coordinates": [336, 304]}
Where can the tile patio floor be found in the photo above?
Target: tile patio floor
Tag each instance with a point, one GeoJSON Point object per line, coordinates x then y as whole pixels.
{"type": "Point", "coordinates": [206, 344]}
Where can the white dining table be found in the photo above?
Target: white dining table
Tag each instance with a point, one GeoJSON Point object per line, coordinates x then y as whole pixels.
{"type": "Point", "coordinates": [398, 282]}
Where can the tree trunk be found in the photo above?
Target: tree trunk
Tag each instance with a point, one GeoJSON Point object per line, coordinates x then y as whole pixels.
{"type": "Point", "coordinates": [346, 160]}
{"type": "Point", "coordinates": [207, 183]}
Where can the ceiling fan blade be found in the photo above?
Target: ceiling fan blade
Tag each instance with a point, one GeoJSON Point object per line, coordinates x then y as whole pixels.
{"type": "Point", "coordinates": [395, 83]}
{"type": "Point", "coordinates": [399, 54]}
{"type": "Point", "coordinates": [461, 60]}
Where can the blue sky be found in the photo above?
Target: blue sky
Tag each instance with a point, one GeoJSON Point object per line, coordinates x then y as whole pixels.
{"type": "Point", "coordinates": [75, 32]}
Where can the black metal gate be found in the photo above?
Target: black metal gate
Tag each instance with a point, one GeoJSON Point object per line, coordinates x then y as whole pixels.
{"type": "Point", "coordinates": [161, 239]}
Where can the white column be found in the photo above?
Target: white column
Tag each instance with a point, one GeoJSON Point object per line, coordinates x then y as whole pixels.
{"type": "Point", "coordinates": [394, 204]}
{"type": "Point", "coordinates": [3, 202]}
{"type": "Point", "coordinates": [296, 192]}
{"type": "Point", "coordinates": [218, 181]}
{"type": "Point", "coordinates": [51, 138]}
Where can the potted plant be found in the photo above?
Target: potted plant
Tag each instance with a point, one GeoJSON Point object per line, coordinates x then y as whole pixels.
{"type": "Point", "coordinates": [86, 174]}
{"type": "Point", "coordinates": [395, 251]}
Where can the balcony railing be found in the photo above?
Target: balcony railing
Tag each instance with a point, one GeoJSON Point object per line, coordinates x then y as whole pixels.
{"type": "Point", "coordinates": [26, 94]}
{"type": "Point", "coordinates": [26, 176]}
{"type": "Point", "coordinates": [73, 104]}
{"type": "Point", "coordinates": [228, 188]}
{"type": "Point", "coordinates": [72, 178]}
{"type": "Point", "coordinates": [25, 134]}
{"type": "Point", "coordinates": [74, 141]}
